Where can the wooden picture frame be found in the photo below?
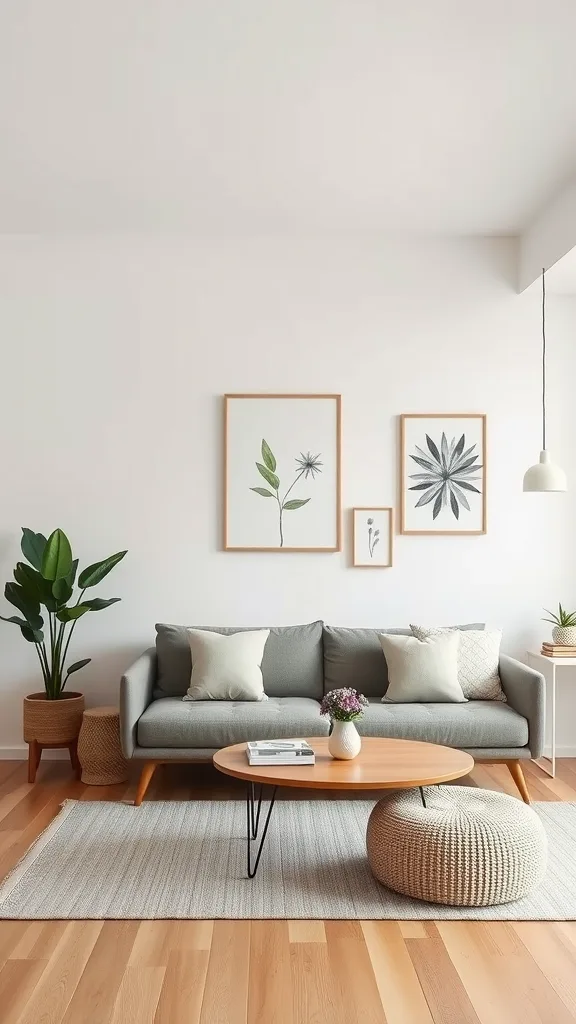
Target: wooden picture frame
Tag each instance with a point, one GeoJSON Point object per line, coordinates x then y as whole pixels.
{"type": "Point", "coordinates": [367, 536]}
{"type": "Point", "coordinates": [272, 444]}
{"type": "Point", "coordinates": [453, 508]}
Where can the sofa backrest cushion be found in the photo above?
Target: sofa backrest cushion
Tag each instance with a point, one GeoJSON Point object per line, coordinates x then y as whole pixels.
{"type": "Point", "coordinates": [354, 657]}
{"type": "Point", "coordinates": [292, 665]}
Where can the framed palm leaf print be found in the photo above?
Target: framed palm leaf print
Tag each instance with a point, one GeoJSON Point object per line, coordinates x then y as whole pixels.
{"type": "Point", "coordinates": [443, 473]}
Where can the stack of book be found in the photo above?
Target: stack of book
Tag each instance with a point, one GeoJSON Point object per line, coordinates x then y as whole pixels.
{"type": "Point", "coordinates": [280, 752]}
{"type": "Point", "coordinates": [559, 650]}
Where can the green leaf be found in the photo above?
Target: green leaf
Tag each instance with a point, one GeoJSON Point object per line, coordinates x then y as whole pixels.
{"type": "Point", "coordinates": [93, 574]}
{"type": "Point", "coordinates": [97, 603]}
{"type": "Point", "coordinates": [69, 614]}
{"type": "Point", "coordinates": [32, 546]}
{"type": "Point", "coordinates": [37, 588]}
{"type": "Point", "coordinates": [33, 636]}
{"type": "Point", "coordinates": [30, 608]}
{"type": "Point", "coordinates": [14, 618]}
{"type": "Point", "coordinates": [295, 503]}
{"type": "Point", "coordinates": [268, 475]}
{"type": "Point", "coordinates": [262, 491]}
{"type": "Point", "coordinates": [57, 558]}
{"type": "Point", "coordinates": [267, 456]}
{"type": "Point", "coordinates": [77, 666]}
{"type": "Point", "coordinates": [62, 590]}
{"type": "Point", "coordinates": [71, 577]}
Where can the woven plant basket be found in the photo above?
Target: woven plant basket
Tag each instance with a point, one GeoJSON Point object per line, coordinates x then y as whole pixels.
{"type": "Point", "coordinates": [51, 722]}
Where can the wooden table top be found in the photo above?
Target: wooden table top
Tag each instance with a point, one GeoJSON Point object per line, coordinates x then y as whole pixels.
{"type": "Point", "coordinates": [381, 764]}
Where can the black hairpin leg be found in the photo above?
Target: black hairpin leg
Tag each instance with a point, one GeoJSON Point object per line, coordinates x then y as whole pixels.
{"type": "Point", "coordinates": [252, 825]}
{"type": "Point", "coordinates": [422, 796]}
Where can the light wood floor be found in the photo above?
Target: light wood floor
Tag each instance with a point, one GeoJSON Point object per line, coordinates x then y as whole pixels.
{"type": "Point", "coordinates": [271, 972]}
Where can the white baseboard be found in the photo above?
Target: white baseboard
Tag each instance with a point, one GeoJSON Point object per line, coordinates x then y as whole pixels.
{"type": "Point", "coordinates": [562, 750]}
{"type": "Point", "coordinates": [21, 754]}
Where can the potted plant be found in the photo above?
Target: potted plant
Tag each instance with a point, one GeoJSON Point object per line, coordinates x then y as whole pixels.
{"type": "Point", "coordinates": [343, 707]}
{"type": "Point", "coordinates": [46, 580]}
{"type": "Point", "coordinates": [564, 632]}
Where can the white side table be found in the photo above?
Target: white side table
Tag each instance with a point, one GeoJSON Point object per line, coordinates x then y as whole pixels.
{"type": "Point", "coordinates": [547, 666]}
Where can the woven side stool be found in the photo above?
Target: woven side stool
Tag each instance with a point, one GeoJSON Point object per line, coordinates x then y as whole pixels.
{"type": "Point", "coordinates": [464, 847]}
{"type": "Point", "coordinates": [99, 749]}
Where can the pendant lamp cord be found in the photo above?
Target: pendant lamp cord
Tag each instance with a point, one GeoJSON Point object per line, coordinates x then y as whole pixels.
{"type": "Point", "coordinates": [543, 360]}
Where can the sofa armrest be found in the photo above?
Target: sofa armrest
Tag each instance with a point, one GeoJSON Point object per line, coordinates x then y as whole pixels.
{"type": "Point", "coordinates": [525, 689]}
{"type": "Point", "coordinates": [135, 695]}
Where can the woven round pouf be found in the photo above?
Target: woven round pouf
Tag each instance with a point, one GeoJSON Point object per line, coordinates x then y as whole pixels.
{"type": "Point", "coordinates": [99, 748]}
{"type": "Point", "coordinates": [466, 848]}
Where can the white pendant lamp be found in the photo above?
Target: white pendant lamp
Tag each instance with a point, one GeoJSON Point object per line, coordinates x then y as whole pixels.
{"type": "Point", "coordinates": [545, 475]}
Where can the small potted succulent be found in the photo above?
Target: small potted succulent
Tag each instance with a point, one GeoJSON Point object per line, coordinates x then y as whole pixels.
{"type": "Point", "coordinates": [343, 707]}
{"type": "Point", "coordinates": [46, 581]}
{"type": "Point", "coordinates": [564, 632]}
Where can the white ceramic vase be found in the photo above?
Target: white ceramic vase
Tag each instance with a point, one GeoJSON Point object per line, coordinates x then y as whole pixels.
{"type": "Point", "coordinates": [565, 635]}
{"type": "Point", "coordinates": [344, 741]}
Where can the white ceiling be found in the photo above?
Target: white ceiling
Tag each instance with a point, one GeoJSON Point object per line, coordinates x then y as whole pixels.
{"type": "Point", "coordinates": [432, 115]}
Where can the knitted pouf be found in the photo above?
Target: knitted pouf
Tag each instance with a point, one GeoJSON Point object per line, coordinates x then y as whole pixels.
{"type": "Point", "coordinates": [466, 848]}
{"type": "Point", "coordinates": [99, 749]}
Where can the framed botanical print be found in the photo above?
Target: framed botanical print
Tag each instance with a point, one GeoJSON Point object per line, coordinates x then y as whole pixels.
{"type": "Point", "coordinates": [372, 537]}
{"type": "Point", "coordinates": [443, 473]}
{"type": "Point", "coordinates": [282, 472]}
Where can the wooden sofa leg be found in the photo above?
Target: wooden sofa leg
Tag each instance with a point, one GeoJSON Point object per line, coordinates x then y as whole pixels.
{"type": "Point", "coordinates": [148, 769]}
{"type": "Point", "coordinates": [515, 769]}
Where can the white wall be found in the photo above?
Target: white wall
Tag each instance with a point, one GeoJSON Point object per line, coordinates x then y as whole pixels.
{"type": "Point", "coordinates": [115, 353]}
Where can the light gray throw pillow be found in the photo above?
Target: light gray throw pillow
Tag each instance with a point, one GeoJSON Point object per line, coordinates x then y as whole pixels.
{"type": "Point", "coordinates": [226, 667]}
{"type": "Point", "coordinates": [422, 671]}
{"type": "Point", "coordinates": [478, 659]}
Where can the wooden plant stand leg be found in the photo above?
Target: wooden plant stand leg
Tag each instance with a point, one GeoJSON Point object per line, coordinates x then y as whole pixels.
{"type": "Point", "coordinates": [148, 769]}
{"type": "Point", "coordinates": [515, 769]}
{"type": "Point", "coordinates": [34, 755]}
{"type": "Point", "coordinates": [73, 751]}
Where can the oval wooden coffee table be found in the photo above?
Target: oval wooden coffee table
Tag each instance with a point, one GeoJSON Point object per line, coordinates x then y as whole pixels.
{"type": "Point", "coordinates": [381, 764]}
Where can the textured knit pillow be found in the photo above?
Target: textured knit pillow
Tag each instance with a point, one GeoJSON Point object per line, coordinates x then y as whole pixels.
{"type": "Point", "coordinates": [226, 667]}
{"type": "Point", "coordinates": [423, 671]}
{"type": "Point", "coordinates": [478, 659]}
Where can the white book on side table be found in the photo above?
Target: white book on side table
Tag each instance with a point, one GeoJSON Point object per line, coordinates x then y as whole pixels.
{"type": "Point", "coordinates": [280, 752]}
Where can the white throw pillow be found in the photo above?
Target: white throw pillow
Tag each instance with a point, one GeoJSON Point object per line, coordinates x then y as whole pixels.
{"type": "Point", "coordinates": [478, 659]}
{"type": "Point", "coordinates": [226, 667]}
{"type": "Point", "coordinates": [422, 670]}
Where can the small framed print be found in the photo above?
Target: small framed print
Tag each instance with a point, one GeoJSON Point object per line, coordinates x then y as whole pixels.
{"type": "Point", "coordinates": [443, 473]}
{"type": "Point", "coordinates": [373, 533]}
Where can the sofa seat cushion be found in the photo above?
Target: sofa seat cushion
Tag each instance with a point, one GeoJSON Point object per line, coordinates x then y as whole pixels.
{"type": "Point", "coordinates": [172, 722]}
{"type": "Point", "coordinates": [479, 723]}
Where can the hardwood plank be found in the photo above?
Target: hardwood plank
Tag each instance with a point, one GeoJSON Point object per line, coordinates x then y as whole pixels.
{"type": "Point", "coordinates": [42, 942]}
{"type": "Point", "coordinates": [479, 975]}
{"type": "Point", "coordinates": [269, 983]}
{"type": "Point", "coordinates": [552, 956]}
{"type": "Point", "coordinates": [400, 991]}
{"type": "Point", "coordinates": [138, 995]}
{"type": "Point", "coordinates": [354, 981]}
{"type": "Point", "coordinates": [413, 930]}
{"type": "Point", "coordinates": [445, 994]}
{"type": "Point", "coordinates": [60, 978]}
{"type": "Point", "coordinates": [18, 979]}
{"type": "Point", "coordinates": [156, 940]}
{"type": "Point", "coordinates": [226, 989]}
{"type": "Point", "coordinates": [306, 931]}
{"type": "Point", "coordinates": [314, 999]}
{"type": "Point", "coordinates": [182, 990]}
{"type": "Point", "coordinates": [103, 974]}
{"type": "Point", "coordinates": [11, 933]}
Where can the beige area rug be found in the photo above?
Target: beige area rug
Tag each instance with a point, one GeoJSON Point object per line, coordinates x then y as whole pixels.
{"type": "Point", "coordinates": [176, 859]}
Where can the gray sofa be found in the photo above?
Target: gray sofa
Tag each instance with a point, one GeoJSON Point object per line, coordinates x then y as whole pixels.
{"type": "Point", "coordinates": [300, 664]}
